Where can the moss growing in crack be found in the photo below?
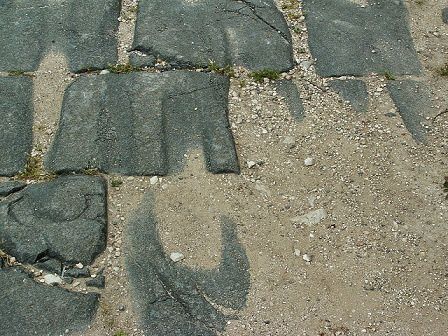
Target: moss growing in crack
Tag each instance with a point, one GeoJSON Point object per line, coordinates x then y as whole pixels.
{"type": "Point", "coordinates": [18, 73]}
{"type": "Point", "coordinates": [443, 71]}
{"type": "Point", "coordinates": [115, 183]}
{"type": "Point", "coordinates": [122, 68]}
{"type": "Point", "coordinates": [34, 170]}
{"type": "Point", "coordinates": [259, 76]}
{"type": "Point", "coordinates": [226, 71]}
{"type": "Point", "coordinates": [388, 75]}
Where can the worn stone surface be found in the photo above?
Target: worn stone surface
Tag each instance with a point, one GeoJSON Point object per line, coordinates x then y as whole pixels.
{"type": "Point", "coordinates": [191, 33]}
{"type": "Point", "coordinates": [143, 124]}
{"type": "Point", "coordinates": [65, 219]}
{"type": "Point", "coordinates": [16, 120]}
{"type": "Point", "coordinates": [348, 39]}
{"type": "Point", "coordinates": [23, 301]}
{"type": "Point", "coordinates": [413, 101]}
{"type": "Point", "coordinates": [175, 300]}
{"type": "Point", "coordinates": [10, 187]}
{"type": "Point", "coordinates": [83, 30]}
{"type": "Point", "coordinates": [289, 91]}
{"type": "Point", "coordinates": [354, 91]}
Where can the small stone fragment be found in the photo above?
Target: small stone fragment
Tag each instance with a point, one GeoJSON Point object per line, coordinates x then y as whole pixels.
{"type": "Point", "coordinates": [52, 279]}
{"type": "Point", "coordinates": [153, 180]}
{"type": "Point", "coordinates": [79, 265]}
{"type": "Point", "coordinates": [308, 162]}
{"type": "Point", "coordinates": [297, 252]}
{"type": "Point", "coordinates": [99, 281]}
{"type": "Point", "coordinates": [77, 273]}
{"type": "Point", "coordinates": [445, 15]}
{"type": "Point", "coordinates": [251, 164]}
{"type": "Point", "coordinates": [306, 257]}
{"type": "Point", "coordinates": [176, 256]}
{"type": "Point", "coordinates": [311, 218]}
{"type": "Point", "coordinates": [50, 265]}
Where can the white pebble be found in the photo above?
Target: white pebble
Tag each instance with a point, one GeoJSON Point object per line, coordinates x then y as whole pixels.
{"type": "Point", "coordinates": [153, 180]}
{"type": "Point", "coordinates": [308, 161]}
{"type": "Point", "coordinates": [176, 256]}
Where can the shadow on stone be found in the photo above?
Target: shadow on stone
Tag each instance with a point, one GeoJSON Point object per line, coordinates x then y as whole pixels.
{"type": "Point", "coordinates": [354, 91]}
{"type": "Point", "coordinates": [176, 300]}
{"type": "Point", "coordinates": [289, 91]}
{"type": "Point", "coordinates": [413, 101]}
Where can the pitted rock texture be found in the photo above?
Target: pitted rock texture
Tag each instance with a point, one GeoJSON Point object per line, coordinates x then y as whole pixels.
{"type": "Point", "coordinates": [65, 219]}
{"type": "Point", "coordinates": [349, 39]}
{"type": "Point", "coordinates": [173, 299]}
{"type": "Point", "coordinates": [28, 308]}
{"type": "Point", "coordinates": [85, 31]}
{"type": "Point", "coordinates": [143, 124]}
{"type": "Point", "coordinates": [185, 33]}
{"type": "Point", "coordinates": [16, 122]}
{"type": "Point", "coordinates": [354, 91]}
{"type": "Point", "coordinates": [413, 101]}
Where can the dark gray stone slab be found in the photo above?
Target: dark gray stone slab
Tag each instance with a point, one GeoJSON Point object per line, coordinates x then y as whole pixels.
{"type": "Point", "coordinates": [413, 101]}
{"type": "Point", "coordinates": [143, 124]}
{"type": "Point", "coordinates": [348, 39]}
{"type": "Point", "coordinates": [173, 299]}
{"type": "Point", "coordinates": [445, 15]}
{"type": "Point", "coordinates": [354, 91]}
{"type": "Point", "coordinates": [191, 33]}
{"type": "Point", "coordinates": [10, 187]}
{"type": "Point", "coordinates": [289, 91]}
{"type": "Point", "coordinates": [65, 219]}
{"type": "Point", "coordinates": [28, 308]}
{"type": "Point", "coordinates": [50, 265]}
{"type": "Point", "coordinates": [85, 31]}
{"type": "Point", "coordinates": [16, 123]}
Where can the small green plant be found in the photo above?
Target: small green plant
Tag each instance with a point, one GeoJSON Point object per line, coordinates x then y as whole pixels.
{"type": "Point", "coordinates": [115, 183]}
{"type": "Point", "coordinates": [33, 168]}
{"type": "Point", "coordinates": [388, 75]}
{"type": "Point", "coordinates": [443, 71]}
{"type": "Point", "coordinates": [226, 71]}
{"type": "Point", "coordinates": [91, 171]}
{"type": "Point", "coordinates": [122, 68]}
{"type": "Point", "coordinates": [259, 76]}
{"type": "Point", "coordinates": [121, 333]}
{"type": "Point", "coordinates": [420, 2]}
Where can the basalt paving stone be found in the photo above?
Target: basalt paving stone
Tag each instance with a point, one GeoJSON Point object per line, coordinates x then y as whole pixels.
{"type": "Point", "coordinates": [29, 308]}
{"type": "Point", "coordinates": [185, 33]}
{"type": "Point", "coordinates": [350, 39]}
{"type": "Point", "coordinates": [289, 91]}
{"type": "Point", "coordinates": [10, 187]}
{"type": "Point", "coordinates": [143, 124]}
{"type": "Point", "coordinates": [64, 219]}
{"type": "Point", "coordinates": [16, 123]}
{"type": "Point", "coordinates": [354, 91]}
{"type": "Point", "coordinates": [173, 299]}
{"type": "Point", "coordinates": [85, 31]}
{"type": "Point", "coordinates": [413, 101]}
